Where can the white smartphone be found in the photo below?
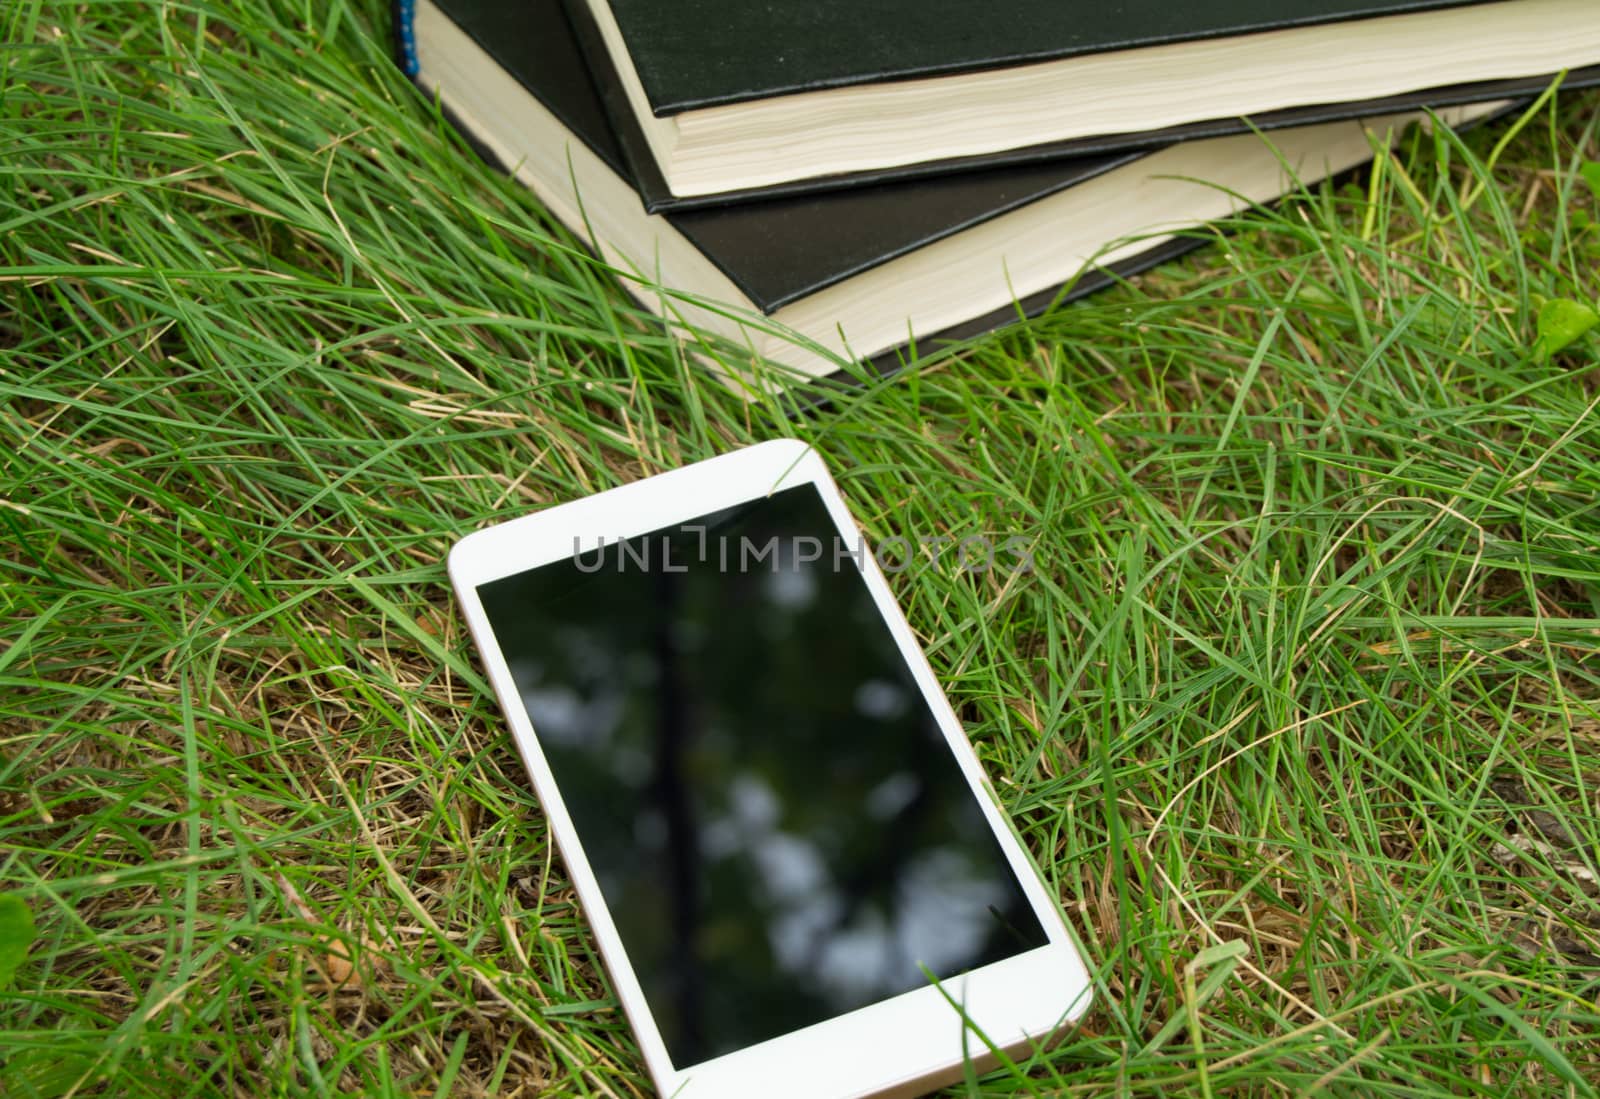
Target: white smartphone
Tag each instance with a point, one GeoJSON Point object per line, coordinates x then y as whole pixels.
{"type": "Point", "coordinates": [798, 876]}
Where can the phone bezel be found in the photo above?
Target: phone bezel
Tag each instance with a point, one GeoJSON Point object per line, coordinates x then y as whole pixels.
{"type": "Point", "coordinates": [906, 1043]}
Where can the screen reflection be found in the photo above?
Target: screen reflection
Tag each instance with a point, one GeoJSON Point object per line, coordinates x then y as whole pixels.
{"type": "Point", "coordinates": [778, 827]}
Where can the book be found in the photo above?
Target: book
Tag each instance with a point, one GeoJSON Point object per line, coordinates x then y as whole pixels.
{"type": "Point", "coordinates": [658, 196]}
{"type": "Point", "coordinates": [734, 98]}
{"type": "Point", "coordinates": [816, 282]}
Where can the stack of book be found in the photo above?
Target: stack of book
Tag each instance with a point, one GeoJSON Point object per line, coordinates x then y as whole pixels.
{"type": "Point", "coordinates": [831, 182]}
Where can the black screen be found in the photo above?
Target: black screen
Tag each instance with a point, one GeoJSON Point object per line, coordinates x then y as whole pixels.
{"type": "Point", "coordinates": [779, 827]}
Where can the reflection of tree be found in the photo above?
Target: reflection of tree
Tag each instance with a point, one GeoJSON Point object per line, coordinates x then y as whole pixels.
{"type": "Point", "coordinates": [790, 692]}
{"type": "Point", "coordinates": [671, 790]}
{"type": "Point", "coordinates": [863, 883]}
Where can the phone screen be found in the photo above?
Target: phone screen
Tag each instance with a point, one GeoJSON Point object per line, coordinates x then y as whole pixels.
{"type": "Point", "coordinates": [778, 826]}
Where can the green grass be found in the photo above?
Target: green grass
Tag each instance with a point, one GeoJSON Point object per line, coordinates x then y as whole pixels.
{"type": "Point", "coordinates": [1308, 664]}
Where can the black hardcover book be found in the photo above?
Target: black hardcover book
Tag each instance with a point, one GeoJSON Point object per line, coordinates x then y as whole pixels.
{"type": "Point", "coordinates": [658, 196]}
{"type": "Point", "coordinates": [816, 281]}
{"type": "Point", "coordinates": [731, 98]}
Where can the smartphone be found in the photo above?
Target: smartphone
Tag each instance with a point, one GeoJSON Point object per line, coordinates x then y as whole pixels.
{"type": "Point", "coordinates": [798, 876]}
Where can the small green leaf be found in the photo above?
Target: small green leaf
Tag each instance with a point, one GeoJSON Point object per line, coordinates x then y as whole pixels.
{"type": "Point", "coordinates": [1591, 175]}
{"type": "Point", "coordinates": [1561, 323]}
{"type": "Point", "coordinates": [16, 935]}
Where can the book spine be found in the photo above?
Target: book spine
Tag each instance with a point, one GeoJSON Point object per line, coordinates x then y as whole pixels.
{"type": "Point", "coordinates": [405, 35]}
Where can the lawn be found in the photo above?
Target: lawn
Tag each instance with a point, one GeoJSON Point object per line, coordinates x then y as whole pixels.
{"type": "Point", "coordinates": [1300, 711]}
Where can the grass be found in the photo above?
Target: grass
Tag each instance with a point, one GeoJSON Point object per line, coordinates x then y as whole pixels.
{"type": "Point", "coordinates": [1308, 665]}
